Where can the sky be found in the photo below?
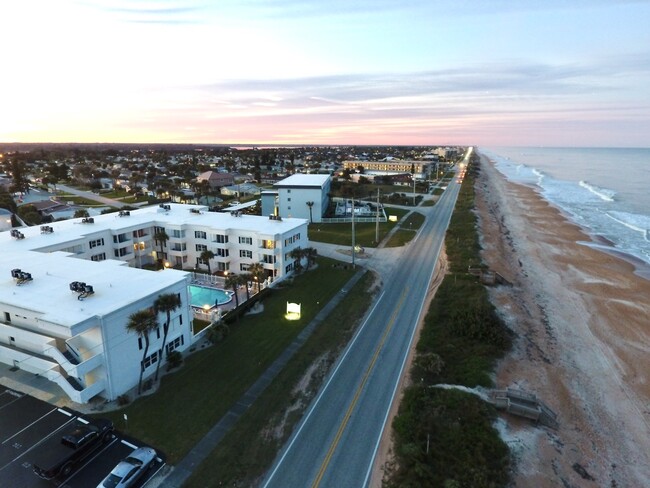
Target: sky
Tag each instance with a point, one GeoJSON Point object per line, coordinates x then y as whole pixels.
{"type": "Point", "coordinates": [341, 72]}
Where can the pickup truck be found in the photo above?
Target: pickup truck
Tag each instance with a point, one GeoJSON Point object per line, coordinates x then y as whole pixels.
{"type": "Point", "coordinates": [58, 454]}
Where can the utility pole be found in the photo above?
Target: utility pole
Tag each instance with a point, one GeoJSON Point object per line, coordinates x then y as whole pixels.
{"type": "Point", "coordinates": [377, 223]}
{"type": "Point", "coordinates": [413, 189]}
{"type": "Point", "coordinates": [353, 243]}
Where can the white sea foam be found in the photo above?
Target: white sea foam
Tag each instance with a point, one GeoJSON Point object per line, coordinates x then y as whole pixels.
{"type": "Point", "coordinates": [638, 223]}
{"type": "Point", "coordinates": [603, 193]}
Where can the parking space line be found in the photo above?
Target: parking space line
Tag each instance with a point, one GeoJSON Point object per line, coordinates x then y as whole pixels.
{"type": "Point", "coordinates": [28, 426]}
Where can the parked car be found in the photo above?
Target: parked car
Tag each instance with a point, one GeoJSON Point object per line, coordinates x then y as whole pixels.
{"type": "Point", "coordinates": [60, 453]}
{"type": "Point", "coordinates": [130, 470]}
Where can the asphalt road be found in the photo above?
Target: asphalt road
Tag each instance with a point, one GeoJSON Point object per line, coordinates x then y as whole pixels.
{"type": "Point", "coordinates": [336, 442]}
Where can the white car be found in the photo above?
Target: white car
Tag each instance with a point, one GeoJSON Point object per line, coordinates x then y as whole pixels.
{"type": "Point", "coordinates": [130, 470]}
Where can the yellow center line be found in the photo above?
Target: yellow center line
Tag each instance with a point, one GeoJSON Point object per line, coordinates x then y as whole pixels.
{"type": "Point", "coordinates": [357, 394]}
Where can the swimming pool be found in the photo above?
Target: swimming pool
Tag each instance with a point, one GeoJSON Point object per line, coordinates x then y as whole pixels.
{"type": "Point", "coordinates": [202, 296]}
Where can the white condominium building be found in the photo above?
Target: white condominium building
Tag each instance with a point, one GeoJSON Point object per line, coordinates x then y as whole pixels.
{"type": "Point", "coordinates": [65, 319]}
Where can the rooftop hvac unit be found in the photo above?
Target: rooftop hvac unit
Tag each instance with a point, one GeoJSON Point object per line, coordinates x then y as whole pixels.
{"type": "Point", "coordinates": [20, 276]}
{"type": "Point", "coordinates": [82, 288]}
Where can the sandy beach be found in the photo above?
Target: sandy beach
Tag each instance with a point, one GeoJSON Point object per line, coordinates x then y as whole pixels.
{"type": "Point", "coordinates": [582, 323]}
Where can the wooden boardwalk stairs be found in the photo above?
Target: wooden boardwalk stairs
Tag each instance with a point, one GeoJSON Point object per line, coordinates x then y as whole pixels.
{"type": "Point", "coordinates": [487, 276]}
{"type": "Point", "coordinates": [524, 404]}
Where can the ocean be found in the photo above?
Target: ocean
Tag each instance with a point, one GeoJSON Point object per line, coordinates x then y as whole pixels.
{"type": "Point", "coordinates": [604, 190]}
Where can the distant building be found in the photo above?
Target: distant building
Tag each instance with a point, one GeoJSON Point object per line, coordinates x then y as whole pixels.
{"type": "Point", "coordinates": [304, 196]}
{"type": "Point", "coordinates": [240, 190]}
{"type": "Point", "coordinates": [419, 169]}
{"type": "Point", "coordinates": [216, 179]}
{"type": "Point", "coordinates": [5, 219]}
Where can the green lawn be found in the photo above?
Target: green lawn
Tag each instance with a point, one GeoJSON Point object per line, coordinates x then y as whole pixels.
{"type": "Point", "coordinates": [364, 231]}
{"type": "Point", "coordinates": [248, 450]}
{"type": "Point", "coordinates": [407, 230]}
{"type": "Point", "coordinates": [191, 400]}
{"type": "Point", "coordinates": [77, 200]}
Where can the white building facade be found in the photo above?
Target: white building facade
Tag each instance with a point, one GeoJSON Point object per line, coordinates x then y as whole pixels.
{"type": "Point", "coordinates": [304, 196]}
{"type": "Point", "coordinates": [81, 342]}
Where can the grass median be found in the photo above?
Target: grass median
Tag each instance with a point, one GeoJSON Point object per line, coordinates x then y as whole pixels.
{"type": "Point", "coordinates": [365, 232]}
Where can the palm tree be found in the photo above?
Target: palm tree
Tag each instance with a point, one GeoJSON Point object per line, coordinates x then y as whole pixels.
{"type": "Point", "coordinates": [167, 303]}
{"type": "Point", "coordinates": [142, 323]}
{"type": "Point", "coordinates": [245, 279]}
{"type": "Point", "coordinates": [311, 254]}
{"type": "Point", "coordinates": [233, 281]}
{"type": "Point", "coordinates": [297, 254]}
{"type": "Point", "coordinates": [257, 271]}
{"type": "Point", "coordinates": [206, 256]}
{"type": "Point", "coordinates": [161, 238]}
{"type": "Point", "coordinates": [310, 205]}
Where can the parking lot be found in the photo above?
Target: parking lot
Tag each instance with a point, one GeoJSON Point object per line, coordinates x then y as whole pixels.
{"type": "Point", "coordinates": [24, 423]}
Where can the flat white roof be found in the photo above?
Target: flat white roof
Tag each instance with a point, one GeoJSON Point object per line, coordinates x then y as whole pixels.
{"type": "Point", "coordinates": [115, 285]}
{"type": "Point", "coordinates": [73, 229]}
{"type": "Point", "coordinates": [298, 180]}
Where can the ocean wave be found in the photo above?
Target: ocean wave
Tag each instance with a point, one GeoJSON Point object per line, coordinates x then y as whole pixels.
{"type": "Point", "coordinates": [636, 222]}
{"type": "Point", "coordinates": [602, 193]}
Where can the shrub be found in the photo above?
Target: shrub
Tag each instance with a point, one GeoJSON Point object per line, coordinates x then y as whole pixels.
{"type": "Point", "coordinates": [174, 360]}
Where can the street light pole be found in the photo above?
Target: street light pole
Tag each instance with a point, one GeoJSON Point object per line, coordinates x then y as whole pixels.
{"type": "Point", "coordinates": [377, 222]}
{"type": "Point", "coordinates": [413, 176]}
{"type": "Point", "coordinates": [353, 243]}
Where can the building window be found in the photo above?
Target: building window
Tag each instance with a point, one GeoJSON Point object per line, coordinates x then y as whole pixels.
{"type": "Point", "coordinates": [221, 266]}
{"type": "Point", "coordinates": [246, 240]}
{"type": "Point", "coordinates": [201, 247]}
{"type": "Point", "coordinates": [199, 234]}
{"type": "Point", "coordinates": [140, 343]}
{"type": "Point", "coordinates": [178, 234]}
{"type": "Point", "coordinates": [221, 239]}
{"type": "Point", "coordinates": [289, 199]}
{"type": "Point", "coordinates": [150, 360]}
{"type": "Point", "coordinates": [98, 257]}
{"type": "Point", "coordinates": [96, 243]}
{"type": "Point", "coordinates": [244, 253]}
{"type": "Point", "coordinates": [222, 253]}
{"type": "Point", "coordinates": [175, 344]}
{"type": "Point", "coordinates": [244, 267]}
{"type": "Point", "coordinates": [123, 251]}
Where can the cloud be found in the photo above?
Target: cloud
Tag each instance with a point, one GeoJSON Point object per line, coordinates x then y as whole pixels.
{"type": "Point", "coordinates": [172, 12]}
{"type": "Point", "coordinates": [501, 81]}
